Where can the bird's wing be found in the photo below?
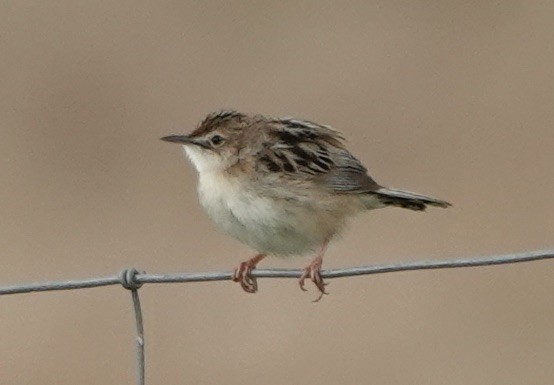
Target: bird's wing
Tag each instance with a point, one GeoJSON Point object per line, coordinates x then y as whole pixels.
{"type": "Point", "coordinates": [303, 150]}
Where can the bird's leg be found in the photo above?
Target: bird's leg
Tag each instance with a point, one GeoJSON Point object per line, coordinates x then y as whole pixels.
{"type": "Point", "coordinates": [243, 275]}
{"type": "Point", "coordinates": [313, 271]}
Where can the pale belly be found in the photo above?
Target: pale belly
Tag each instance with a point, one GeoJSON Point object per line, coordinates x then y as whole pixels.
{"type": "Point", "coordinates": [278, 227]}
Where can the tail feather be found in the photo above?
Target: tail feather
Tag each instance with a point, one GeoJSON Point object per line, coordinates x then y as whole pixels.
{"type": "Point", "coordinates": [407, 200]}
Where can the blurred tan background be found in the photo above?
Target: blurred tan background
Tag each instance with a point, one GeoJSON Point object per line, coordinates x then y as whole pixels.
{"type": "Point", "coordinates": [452, 99]}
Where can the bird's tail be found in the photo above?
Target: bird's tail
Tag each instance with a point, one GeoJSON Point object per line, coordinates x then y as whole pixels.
{"type": "Point", "coordinates": [406, 199]}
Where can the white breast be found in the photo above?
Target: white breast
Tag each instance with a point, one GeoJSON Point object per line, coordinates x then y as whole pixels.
{"type": "Point", "coordinates": [268, 225]}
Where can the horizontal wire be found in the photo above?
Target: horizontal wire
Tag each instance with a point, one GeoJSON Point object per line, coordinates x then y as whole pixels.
{"type": "Point", "coordinates": [132, 279]}
{"type": "Point", "coordinates": [142, 278]}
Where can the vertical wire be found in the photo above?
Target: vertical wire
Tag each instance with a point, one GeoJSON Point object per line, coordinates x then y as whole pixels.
{"type": "Point", "coordinates": [139, 338]}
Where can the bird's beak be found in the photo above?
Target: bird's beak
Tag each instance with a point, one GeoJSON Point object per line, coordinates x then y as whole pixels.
{"type": "Point", "coordinates": [184, 139]}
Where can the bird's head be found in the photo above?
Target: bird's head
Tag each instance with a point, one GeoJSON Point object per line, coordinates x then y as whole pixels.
{"type": "Point", "coordinates": [216, 144]}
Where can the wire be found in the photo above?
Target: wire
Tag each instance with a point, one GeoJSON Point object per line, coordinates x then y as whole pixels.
{"type": "Point", "coordinates": [132, 280]}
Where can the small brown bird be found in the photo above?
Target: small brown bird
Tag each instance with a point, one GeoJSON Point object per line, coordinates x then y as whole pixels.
{"type": "Point", "coordinates": [283, 186]}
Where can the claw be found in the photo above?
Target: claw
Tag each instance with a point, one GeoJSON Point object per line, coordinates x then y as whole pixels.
{"type": "Point", "coordinates": [243, 274]}
{"type": "Point", "coordinates": [313, 271]}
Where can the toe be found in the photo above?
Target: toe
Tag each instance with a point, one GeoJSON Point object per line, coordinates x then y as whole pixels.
{"type": "Point", "coordinates": [302, 279]}
{"type": "Point", "coordinates": [247, 286]}
{"type": "Point", "coordinates": [248, 283]}
{"type": "Point", "coordinates": [317, 279]}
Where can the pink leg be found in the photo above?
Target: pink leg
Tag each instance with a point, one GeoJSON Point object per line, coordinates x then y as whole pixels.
{"type": "Point", "coordinates": [242, 274]}
{"type": "Point", "coordinates": [313, 271]}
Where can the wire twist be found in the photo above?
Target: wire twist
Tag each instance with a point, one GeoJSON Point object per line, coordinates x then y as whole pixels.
{"type": "Point", "coordinates": [128, 279]}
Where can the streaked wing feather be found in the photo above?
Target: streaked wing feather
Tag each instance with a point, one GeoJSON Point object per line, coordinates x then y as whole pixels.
{"type": "Point", "coordinates": [302, 149]}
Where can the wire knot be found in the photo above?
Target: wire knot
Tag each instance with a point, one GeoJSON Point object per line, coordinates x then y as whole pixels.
{"type": "Point", "coordinates": [127, 277]}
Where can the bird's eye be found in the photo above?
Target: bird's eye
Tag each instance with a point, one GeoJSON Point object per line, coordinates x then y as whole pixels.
{"type": "Point", "coordinates": [216, 140]}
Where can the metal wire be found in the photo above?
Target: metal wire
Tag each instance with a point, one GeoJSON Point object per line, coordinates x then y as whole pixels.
{"type": "Point", "coordinates": [127, 278]}
{"type": "Point", "coordinates": [132, 280]}
{"type": "Point", "coordinates": [140, 337]}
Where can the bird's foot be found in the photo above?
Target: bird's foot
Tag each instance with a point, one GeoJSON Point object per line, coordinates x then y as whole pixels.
{"type": "Point", "coordinates": [313, 271]}
{"type": "Point", "coordinates": [243, 274]}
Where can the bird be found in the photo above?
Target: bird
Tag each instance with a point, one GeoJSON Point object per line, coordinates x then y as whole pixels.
{"type": "Point", "coordinates": [283, 186]}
